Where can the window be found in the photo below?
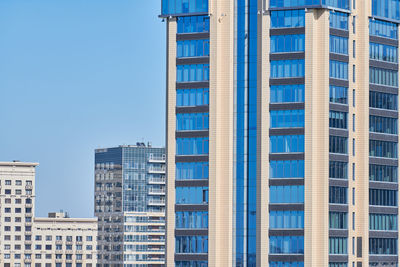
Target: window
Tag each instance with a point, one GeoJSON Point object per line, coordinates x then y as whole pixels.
{"type": "Point", "coordinates": [339, 20]}
{"type": "Point", "coordinates": [338, 169]}
{"type": "Point", "coordinates": [193, 48]}
{"type": "Point", "coordinates": [354, 73]}
{"type": "Point", "coordinates": [287, 68]}
{"type": "Point", "coordinates": [8, 182]}
{"type": "Point", "coordinates": [338, 69]}
{"type": "Point", "coordinates": [338, 245]}
{"type": "Point", "coordinates": [286, 244]}
{"type": "Point", "coordinates": [191, 219]}
{"type": "Point", "coordinates": [338, 45]}
{"type": "Point", "coordinates": [383, 125]}
{"type": "Point", "coordinates": [287, 43]}
{"type": "Point", "coordinates": [354, 122]}
{"type": "Point", "coordinates": [286, 169]}
{"type": "Point", "coordinates": [191, 263]}
{"type": "Point", "coordinates": [338, 119]}
{"type": "Point", "coordinates": [337, 144]}
{"type": "Point", "coordinates": [354, 98]}
{"type": "Point", "coordinates": [286, 219]}
{"type": "Point", "coordinates": [338, 94]}
{"type": "Point", "coordinates": [286, 194]}
{"type": "Point", "coordinates": [389, 9]}
{"type": "Point", "coordinates": [287, 18]}
{"type": "Point", "coordinates": [193, 24]}
{"type": "Point", "coordinates": [383, 76]}
{"type": "Point", "coordinates": [383, 246]}
{"type": "Point", "coordinates": [191, 170]}
{"type": "Point", "coordinates": [382, 149]}
{"type": "Point", "coordinates": [383, 29]}
{"type": "Point", "coordinates": [287, 144]}
{"type": "Point", "coordinates": [383, 197]}
{"type": "Point", "coordinates": [192, 146]}
{"type": "Point", "coordinates": [383, 52]}
{"type": "Point", "coordinates": [337, 195]}
{"type": "Point", "coordinates": [192, 73]}
{"type": "Point", "coordinates": [192, 97]}
{"type": "Point", "coordinates": [184, 6]}
{"type": "Point", "coordinates": [384, 222]}
{"type": "Point", "coordinates": [289, 3]}
{"type": "Point", "coordinates": [293, 93]}
{"type": "Point", "coordinates": [191, 244]}
{"type": "Point", "coordinates": [354, 196]}
{"type": "Point", "coordinates": [342, 4]}
{"type": "Point", "coordinates": [354, 49]}
{"type": "Point", "coordinates": [192, 121]}
{"type": "Point", "coordinates": [338, 220]}
{"type": "Point", "coordinates": [287, 118]}
{"type": "Point", "coordinates": [18, 182]}
{"type": "Point", "coordinates": [382, 100]}
{"type": "Point", "coordinates": [383, 173]}
{"type": "Point", "coordinates": [191, 195]}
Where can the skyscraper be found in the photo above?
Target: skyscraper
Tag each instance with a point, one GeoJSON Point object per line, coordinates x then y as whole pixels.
{"type": "Point", "coordinates": [130, 205]}
{"type": "Point", "coordinates": [282, 132]}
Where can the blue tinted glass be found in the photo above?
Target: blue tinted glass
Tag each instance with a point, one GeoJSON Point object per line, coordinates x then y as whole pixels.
{"type": "Point", "coordinates": [173, 7]}
{"type": "Point", "coordinates": [286, 143]}
{"type": "Point", "coordinates": [191, 244]}
{"type": "Point", "coordinates": [287, 93]}
{"type": "Point", "coordinates": [338, 245]}
{"type": "Point", "coordinates": [191, 219]}
{"type": "Point", "coordinates": [339, 20]}
{"type": "Point", "coordinates": [286, 169]}
{"type": "Point", "coordinates": [193, 48]}
{"type": "Point", "coordinates": [192, 121]}
{"type": "Point", "coordinates": [191, 195]}
{"type": "Point", "coordinates": [383, 76]}
{"type": "Point", "coordinates": [382, 149]}
{"type": "Point", "coordinates": [287, 18]}
{"type": "Point", "coordinates": [286, 244]}
{"type": "Point", "coordinates": [379, 124]}
{"type": "Point", "coordinates": [338, 70]}
{"type": "Point", "coordinates": [286, 219]}
{"type": "Point", "coordinates": [386, 8]}
{"type": "Point", "coordinates": [191, 170]}
{"type": "Point", "coordinates": [195, 24]}
{"type": "Point", "coordinates": [343, 4]}
{"type": "Point", "coordinates": [383, 52]}
{"type": "Point", "coordinates": [338, 44]}
{"type": "Point", "coordinates": [287, 68]}
{"type": "Point", "coordinates": [291, 3]}
{"type": "Point", "coordinates": [192, 146]}
{"type": "Point", "coordinates": [383, 28]}
{"type": "Point", "coordinates": [287, 43]}
{"type": "Point", "coordinates": [286, 194]}
{"type": "Point", "coordinates": [287, 118]}
{"type": "Point", "coordinates": [383, 173]}
{"type": "Point", "coordinates": [338, 94]}
{"type": "Point", "coordinates": [386, 222]}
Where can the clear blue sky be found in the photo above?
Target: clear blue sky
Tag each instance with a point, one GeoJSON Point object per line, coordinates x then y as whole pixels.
{"type": "Point", "coordinates": [76, 75]}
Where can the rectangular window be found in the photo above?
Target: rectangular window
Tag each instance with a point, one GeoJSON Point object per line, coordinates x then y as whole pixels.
{"type": "Point", "coordinates": [193, 24]}
{"type": "Point", "coordinates": [354, 221]}
{"type": "Point", "coordinates": [383, 29]}
{"type": "Point", "coordinates": [339, 20]}
{"type": "Point", "coordinates": [191, 219]}
{"type": "Point", "coordinates": [192, 121]}
{"type": "Point", "coordinates": [383, 173]}
{"type": "Point", "coordinates": [354, 73]}
{"type": "Point", "coordinates": [383, 246]}
{"type": "Point", "coordinates": [383, 222]}
{"type": "Point", "coordinates": [386, 125]}
{"type": "Point", "coordinates": [191, 244]}
{"type": "Point", "coordinates": [383, 197]}
{"type": "Point", "coordinates": [338, 169]}
{"type": "Point", "coordinates": [383, 52]}
{"type": "Point", "coordinates": [287, 93]}
{"type": "Point", "coordinates": [286, 219]}
{"type": "Point", "coordinates": [354, 98]}
{"type": "Point", "coordinates": [389, 9]}
{"type": "Point", "coordinates": [287, 144]}
{"type": "Point", "coordinates": [383, 76]}
{"type": "Point", "coordinates": [337, 220]}
{"type": "Point", "coordinates": [338, 45]}
{"type": "Point", "coordinates": [354, 196]}
{"type": "Point", "coordinates": [192, 97]}
{"type": "Point", "coordinates": [191, 195]}
{"type": "Point", "coordinates": [286, 244]}
{"type": "Point", "coordinates": [382, 100]}
{"type": "Point", "coordinates": [287, 43]}
{"type": "Point", "coordinates": [354, 147]}
{"type": "Point", "coordinates": [193, 73]}
{"type": "Point", "coordinates": [337, 195]}
{"type": "Point", "coordinates": [287, 68]}
{"type": "Point", "coordinates": [342, 4]}
{"type": "Point", "coordinates": [338, 245]}
{"type": "Point", "coordinates": [301, 3]}
{"type": "Point", "coordinates": [288, 18]}
{"type": "Point", "coordinates": [287, 194]}
{"type": "Point", "coordinates": [191, 170]}
{"type": "Point", "coordinates": [354, 49]}
{"type": "Point", "coordinates": [287, 118]}
{"type": "Point", "coordinates": [382, 149]}
{"type": "Point", "coordinates": [338, 70]}
{"type": "Point", "coordinates": [337, 144]}
{"type": "Point", "coordinates": [193, 48]}
{"type": "Point", "coordinates": [286, 169]}
{"type": "Point", "coordinates": [338, 119]}
{"type": "Point", "coordinates": [338, 94]}
{"type": "Point", "coordinates": [174, 7]}
{"type": "Point", "coordinates": [354, 122]}
{"type": "Point", "coordinates": [192, 146]}
{"type": "Point", "coordinates": [354, 24]}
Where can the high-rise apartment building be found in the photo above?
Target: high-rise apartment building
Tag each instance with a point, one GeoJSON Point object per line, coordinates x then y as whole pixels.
{"type": "Point", "coordinates": [282, 132]}
{"type": "Point", "coordinates": [28, 241]}
{"type": "Point", "coordinates": [130, 205]}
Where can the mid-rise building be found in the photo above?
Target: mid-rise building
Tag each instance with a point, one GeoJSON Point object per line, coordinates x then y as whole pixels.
{"type": "Point", "coordinates": [27, 241]}
{"type": "Point", "coordinates": [282, 132]}
{"type": "Point", "coordinates": [130, 205]}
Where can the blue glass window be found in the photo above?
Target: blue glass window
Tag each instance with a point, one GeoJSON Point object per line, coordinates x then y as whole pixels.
{"type": "Point", "coordinates": [342, 4]}
{"type": "Point", "coordinates": [383, 197]}
{"type": "Point", "coordinates": [382, 149]}
{"type": "Point", "coordinates": [191, 195]}
{"type": "Point", "coordinates": [339, 20]}
{"type": "Point", "coordinates": [286, 143]}
{"type": "Point", "coordinates": [286, 244]}
{"type": "Point", "coordinates": [193, 73]}
{"type": "Point", "coordinates": [338, 45]}
{"type": "Point", "coordinates": [291, 3]}
{"type": "Point", "coordinates": [286, 264]}
{"type": "Point", "coordinates": [293, 93]}
{"type": "Point", "coordinates": [286, 169]}
{"type": "Point", "coordinates": [287, 43]}
{"type": "Point", "coordinates": [287, 219]}
{"type": "Point", "coordinates": [191, 264]}
{"type": "Point", "coordinates": [337, 264]}
{"type": "Point", "coordinates": [287, 118]}
{"type": "Point", "coordinates": [192, 97]}
{"type": "Point", "coordinates": [337, 220]}
{"type": "Point", "coordinates": [383, 222]}
{"type": "Point", "coordinates": [383, 173]}
{"type": "Point", "coordinates": [287, 68]}
{"type": "Point", "coordinates": [338, 69]}
{"type": "Point", "coordinates": [383, 246]}
{"type": "Point", "coordinates": [386, 8]}
{"type": "Point", "coordinates": [193, 48]}
{"type": "Point", "coordinates": [338, 94]}
{"type": "Point", "coordinates": [383, 52]}
{"type": "Point", "coordinates": [337, 119]}
{"type": "Point", "coordinates": [382, 100]}
{"type": "Point", "coordinates": [338, 245]}
{"type": "Point", "coordinates": [191, 170]}
{"type": "Point", "coordinates": [191, 244]}
{"type": "Point", "coordinates": [338, 170]}
{"type": "Point", "coordinates": [337, 195]}
{"type": "Point", "coordinates": [383, 29]}
{"type": "Point", "coordinates": [172, 7]}
{"type": "Point", "coordinates": [288, 18]}
{"type": "Point", "coordinates": [287, 194]}
{"type": "Point", "coordinates": [192, 146]}
{"type": "Point", "coordinates": [191, 219]}
{"type": "Point", "coordinates": [337, 144]}
{"type": "Point", "coordinates": [192, 121]}
{"type": "Point", "coordinates": [194, 24]}
{"type": "Point", "coordinates": [383, 76]}
{"type": "Point", "coordinates": [383, 125]}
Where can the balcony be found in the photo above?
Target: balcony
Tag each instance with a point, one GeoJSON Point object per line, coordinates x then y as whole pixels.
{"type": "Point", "coordinates": [156, 181]}
{"type": "Point", "coordinates": [153, 202]}
{"type": "Point", "coordinates": [153, 191]}
{"type": "Point", "coordinates": [155, 170]}
{"type": "Point", "coordinates": [154, 159]}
